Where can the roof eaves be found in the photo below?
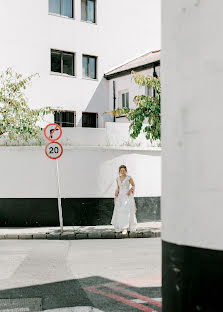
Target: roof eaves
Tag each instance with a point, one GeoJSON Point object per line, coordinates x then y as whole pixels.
{"type": "Point", "coordinates": [128, 71]}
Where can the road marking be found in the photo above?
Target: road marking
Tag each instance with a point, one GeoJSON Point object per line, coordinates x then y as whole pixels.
{"type": "Point", "coordinates": [120, 299]}
{"type": "Point", "coordinates": [138, 301]}
{"type": "Point", "coordinates": [141, 301]}
{"type": "Point", "coordinates": [158, 299]}
{"type": "Point", "coordinates": [133, 294]}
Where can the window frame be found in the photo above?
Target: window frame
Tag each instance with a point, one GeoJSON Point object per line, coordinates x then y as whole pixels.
{"type": "Point", "coordinates": [61, 60]}
{"type": "Point", "coordinates": [96, 66]}
{"type": "Point", "coordinates": [61, 15]}
{"type": "Point", "coordinates": [149, 90]}
{"type": "Point", "coordinates": [124, 93]}
{"type": "Point", "coordinates": [96, 115]}
{"type": "Point", "coordinates": [60, 123]}
{"type": "Point", "coordinates": [95, 13]}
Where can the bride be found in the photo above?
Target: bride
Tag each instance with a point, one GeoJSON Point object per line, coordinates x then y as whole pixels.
{"type": "Point", "coordinates": [124, 217]}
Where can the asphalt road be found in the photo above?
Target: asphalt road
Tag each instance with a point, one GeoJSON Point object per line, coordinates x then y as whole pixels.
{"type": "Point", "coordinates": [81, 275]}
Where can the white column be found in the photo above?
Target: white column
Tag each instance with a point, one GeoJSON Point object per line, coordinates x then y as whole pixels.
{"type": "Point", "coordinates": [192, 155]}
{"type": "Point", "coordinates": [192, 126]}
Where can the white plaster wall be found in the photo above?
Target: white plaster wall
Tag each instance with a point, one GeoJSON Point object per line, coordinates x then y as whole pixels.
{"type": "Point", "coordinates": [191, 74]}
{"type": "Point", "coordinates": [117, 134]}
{"type": "Point", "coordinates": [127, 84]}
{"type": "Point", "coordinates": [29, 32]}
{"type": "Point", "coordinates": [84, 172]}
{"type": "Point", "coordinates": [114, 134]}
{"type": "Point", "coordinates": [82, 137]}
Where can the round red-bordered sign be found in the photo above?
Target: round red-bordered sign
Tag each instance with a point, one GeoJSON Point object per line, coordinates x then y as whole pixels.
{"type": "Point", "coordinates": [51, 130]}
{"type": "Point", "coordinates": [54, 151]}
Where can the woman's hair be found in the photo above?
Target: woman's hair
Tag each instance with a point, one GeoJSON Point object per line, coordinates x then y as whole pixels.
{"type": "Point", "coordinates": [122, 166]}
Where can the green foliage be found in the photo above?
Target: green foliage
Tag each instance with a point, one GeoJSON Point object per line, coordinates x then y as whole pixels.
{"type": "Point", "coordinates": [17, 119]}
{"type": "Point", "coordinates": [147, 107]}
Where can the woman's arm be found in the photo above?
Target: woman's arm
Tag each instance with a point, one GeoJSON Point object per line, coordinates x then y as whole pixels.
{"type": "Point", "coordinates": [132, 190]}
{"type": "Point", "coordinates": [117, 190]}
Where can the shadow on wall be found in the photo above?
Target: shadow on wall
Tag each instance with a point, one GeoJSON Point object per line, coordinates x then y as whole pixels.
{"type": "Point", "coordinates": [99, 103]}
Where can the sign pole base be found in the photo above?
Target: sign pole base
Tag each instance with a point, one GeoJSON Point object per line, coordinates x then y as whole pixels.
{"type": "Point", "coordinates": [59, 199]}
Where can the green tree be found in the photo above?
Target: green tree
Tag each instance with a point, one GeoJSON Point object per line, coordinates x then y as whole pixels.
{"type": "Point", "coordinates": [146, 107]}
{"type": "Point", "coordinates": [17, 119]}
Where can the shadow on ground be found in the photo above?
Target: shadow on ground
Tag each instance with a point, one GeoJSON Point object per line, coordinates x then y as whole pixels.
{"type": "Point", "coordinates": [101, 293]}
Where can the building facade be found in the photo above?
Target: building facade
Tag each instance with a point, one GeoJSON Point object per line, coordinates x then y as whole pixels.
{"type": "Point", "coordinates": [71, 44]}
{"type": "Point", "coordinates": [123, 89]}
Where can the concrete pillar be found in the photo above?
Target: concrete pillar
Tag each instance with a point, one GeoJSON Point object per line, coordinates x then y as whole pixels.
{"type": "Point", "coordinates": [192, 153]}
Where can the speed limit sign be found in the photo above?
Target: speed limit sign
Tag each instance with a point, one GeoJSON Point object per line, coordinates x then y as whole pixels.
{"type": "Point", "coordinates": [53, 150]}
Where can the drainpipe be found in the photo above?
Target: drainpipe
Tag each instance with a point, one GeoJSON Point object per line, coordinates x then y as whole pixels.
{"type": "Point", "coordinates": [154, 75]}
{"type": "Point", "coordinates": [114, 99]}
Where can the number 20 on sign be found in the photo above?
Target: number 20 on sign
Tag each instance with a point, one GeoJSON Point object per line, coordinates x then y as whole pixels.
{"type": "Point", "coordinates": [54, 150]}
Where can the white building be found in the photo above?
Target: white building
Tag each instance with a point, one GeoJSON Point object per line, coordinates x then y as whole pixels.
{"type": "Point", "coordinates": [71, 44]}
{"type": "Point", "coordinates": [123, 89]}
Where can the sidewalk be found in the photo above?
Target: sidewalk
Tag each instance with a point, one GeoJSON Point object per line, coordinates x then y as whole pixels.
{"type": "Point", "coordinates": [144, 230]}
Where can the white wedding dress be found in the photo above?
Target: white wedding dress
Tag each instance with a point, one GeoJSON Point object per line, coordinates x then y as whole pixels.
{"type": "Point", "coordinates": [124, 211]}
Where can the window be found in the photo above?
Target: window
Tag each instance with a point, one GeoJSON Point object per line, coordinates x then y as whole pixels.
{"type": "Point", "coordinates": [65, 119]}
{"type": "Point", "coordinates": [125, 99]}
{"type": "Point", "coordinates": [149, 91]}
{"type": "Point", "coordinates": [88, 10]}
{"type": "Point", "coordinates": [61, 7]}
{"type": "Point", "coordinates": [89, 66]}
{"type": "Point", "coordinates": [89, 120]}
{"type": "Point", "coordinates": [62, 62]}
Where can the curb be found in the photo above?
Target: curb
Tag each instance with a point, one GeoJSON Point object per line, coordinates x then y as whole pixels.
{"type": "Point", "coordinates": [83, 235]}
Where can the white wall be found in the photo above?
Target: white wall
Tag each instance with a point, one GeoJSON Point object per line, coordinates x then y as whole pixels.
{"type": "Point", "coordinates": [127, 84]}
{"type": "Point", "coordinates": [114, 134]}
{"type": "Point", "coordinates": [117, 134]}
{"type": "Point", "coordinates": [192, 150]}
{"type": "Point", "coordinates": [30, 32]}
{"type": "Point", "coordinates": [84, 172]}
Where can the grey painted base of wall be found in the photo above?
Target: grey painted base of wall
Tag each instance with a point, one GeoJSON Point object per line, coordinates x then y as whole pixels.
{"type": "Point", "coordinates": [192, 279]}
{"type": "Point", "coordinates": [76, 211]}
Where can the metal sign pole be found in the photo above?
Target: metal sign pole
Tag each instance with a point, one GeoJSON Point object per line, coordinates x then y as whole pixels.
{"type": "Point", "coordinates": [59, 199]}
{"type": "Point", "coordinates": [51, 128]}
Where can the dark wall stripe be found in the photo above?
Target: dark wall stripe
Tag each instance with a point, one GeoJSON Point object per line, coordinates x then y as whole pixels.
{"type": "Point", "coordinates": [76, 211]}
{"type": "Point", "coordinates": [192, 279]}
